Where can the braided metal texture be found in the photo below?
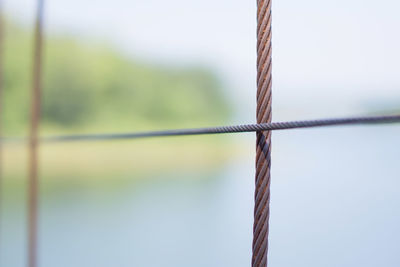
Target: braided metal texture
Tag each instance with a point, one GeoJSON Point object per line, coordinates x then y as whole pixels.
{"type": "Point", "coordinates": [262, 127]}
{"type": "Point", "coordinates": [263, 157]}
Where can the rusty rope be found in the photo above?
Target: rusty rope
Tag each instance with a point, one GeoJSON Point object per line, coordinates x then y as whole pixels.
{"type": "Point", "coordinates": [263, 157]}
{"type": "Point", "coordinates": [33, 184]}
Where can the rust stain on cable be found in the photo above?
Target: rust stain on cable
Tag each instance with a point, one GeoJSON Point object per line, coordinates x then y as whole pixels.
{"type": "Point", "coordinates": [33, 184]}
{"type": "Point", "coordinates": [263, 156]}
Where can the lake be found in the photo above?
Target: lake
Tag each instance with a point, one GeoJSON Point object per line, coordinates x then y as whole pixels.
{"type": "Point", "coordinates": [335, 202]}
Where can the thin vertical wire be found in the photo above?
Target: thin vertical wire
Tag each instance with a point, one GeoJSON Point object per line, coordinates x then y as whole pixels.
{"type": "Point", "coordinates": [1, 103]}
{"type": "Point", "coordinates": [33, 139]}
{"type": "Point", "coordinates": [263, 157]}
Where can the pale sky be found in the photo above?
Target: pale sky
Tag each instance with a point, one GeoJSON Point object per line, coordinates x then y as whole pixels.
{"type": "Point", "coordinates": [330, 57]}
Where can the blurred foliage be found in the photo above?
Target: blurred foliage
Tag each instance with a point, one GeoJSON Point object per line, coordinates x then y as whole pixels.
{"type": "Point", "coordinates": [90, 86]}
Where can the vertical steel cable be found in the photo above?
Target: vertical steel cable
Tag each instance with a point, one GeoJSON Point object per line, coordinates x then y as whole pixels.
{"type": "Point", "coordinates": [33, 139]}
{"type": "Point", "coordinates": [263, 157]}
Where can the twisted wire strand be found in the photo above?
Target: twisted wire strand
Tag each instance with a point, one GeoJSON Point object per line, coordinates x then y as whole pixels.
{"type": "Point", "coordinates": [246, 128]}
{"type": "Point", "coordinates": [264, 117]}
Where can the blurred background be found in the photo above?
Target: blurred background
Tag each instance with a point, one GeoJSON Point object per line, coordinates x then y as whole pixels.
{"type": "Point", "coordinates": [145, 65]}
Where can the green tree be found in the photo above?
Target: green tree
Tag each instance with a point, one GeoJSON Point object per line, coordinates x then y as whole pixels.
{"type": "Point", "coordinates": [89, 85]}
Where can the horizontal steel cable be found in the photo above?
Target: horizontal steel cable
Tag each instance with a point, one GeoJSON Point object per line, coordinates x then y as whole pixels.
{"type": "Point", "coordinates": [222, 130]}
